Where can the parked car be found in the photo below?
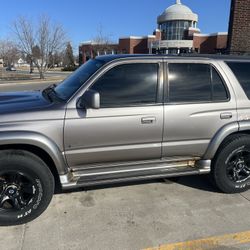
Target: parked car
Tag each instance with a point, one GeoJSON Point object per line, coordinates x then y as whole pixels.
{"type": "Point", "coordinates": [122, 118]}
{"type": "Point", "coordinates": [10, 68]}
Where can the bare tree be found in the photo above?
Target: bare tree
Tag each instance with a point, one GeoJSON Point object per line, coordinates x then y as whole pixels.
{"type": "Point", "coordinates": [101, 37]}
{"type": "Point", "coordinates": [103, 42]}
{"type": "Point", "coordinates": [39, 42]}
{"type": "Point", "coordinates": [9, 52]}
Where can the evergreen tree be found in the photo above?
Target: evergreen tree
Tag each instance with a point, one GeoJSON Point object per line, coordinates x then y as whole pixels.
{"type": "Point", "coordinates": [69, 57]}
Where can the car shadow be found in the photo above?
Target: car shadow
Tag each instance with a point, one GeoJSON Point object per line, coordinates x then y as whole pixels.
{"type": "Point", "coordinates": [201, 182]}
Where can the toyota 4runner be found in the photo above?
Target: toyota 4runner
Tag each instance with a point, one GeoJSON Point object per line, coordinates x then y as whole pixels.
{"type": "Point", "coordinates": [123, 118]}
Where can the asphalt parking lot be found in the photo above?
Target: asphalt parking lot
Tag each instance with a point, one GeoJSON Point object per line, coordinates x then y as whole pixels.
{"type": "Point", "coordinates": [146, 215]}
{"type": "Point", "coordinates": [137, 216]}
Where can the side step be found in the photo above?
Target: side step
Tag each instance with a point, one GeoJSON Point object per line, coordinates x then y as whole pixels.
{"type": "Point", "coordinates": [133, 173]}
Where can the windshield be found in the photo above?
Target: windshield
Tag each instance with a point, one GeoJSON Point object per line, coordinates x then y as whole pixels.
{"type": "Point", "coordinates": [71, 84]}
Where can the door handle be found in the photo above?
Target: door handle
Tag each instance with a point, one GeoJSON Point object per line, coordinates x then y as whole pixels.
{"type": "Point", "coordinates": [148, 120]}
{"type": "Point", "coordinates": [226, 115]}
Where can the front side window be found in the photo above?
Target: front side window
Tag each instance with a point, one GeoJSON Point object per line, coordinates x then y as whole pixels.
{"type": "Point", "coordinates": [128, 85]}
{"type": "Point", "coordinates": [191, 82]}
{"type": "Point", "coordinates": [71, 84]}
{"type": "Point", "coordinates": [242, 72]}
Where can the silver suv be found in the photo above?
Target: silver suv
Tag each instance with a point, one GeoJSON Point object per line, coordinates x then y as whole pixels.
{"type": "Point", "coordinates": [123, 118]}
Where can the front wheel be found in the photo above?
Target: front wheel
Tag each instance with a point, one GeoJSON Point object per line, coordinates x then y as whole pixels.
{"type": "Point", "coordinates": [231, 167]}
{"type": "Point", "coordinates": [26, 187]}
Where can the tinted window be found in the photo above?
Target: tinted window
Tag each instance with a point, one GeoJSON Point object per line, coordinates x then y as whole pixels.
{"type": "Point", "coordinates": [219, 90]}
{"type": "Point", "coordinates": [195, 83]}
{"type": "Point", "coordinates": [242, 72]}
{"type": "Point", "coordinates": [129, 84]}
{"type": "Point", "coordinates": [71, 84]}
{"type": "Point", "coordinates": [189, 82]}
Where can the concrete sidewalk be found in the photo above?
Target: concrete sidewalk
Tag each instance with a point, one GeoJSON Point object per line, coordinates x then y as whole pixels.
{"type": "Point", "coordinates": [134, 217]}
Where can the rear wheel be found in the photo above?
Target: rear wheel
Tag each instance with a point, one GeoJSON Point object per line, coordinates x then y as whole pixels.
{"type": "Point", "coordinates": [26, 187]}
{"type": "Point", "coordinates": [231, 168]}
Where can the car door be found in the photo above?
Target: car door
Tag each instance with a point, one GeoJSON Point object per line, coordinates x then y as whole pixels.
{"type": "Point", "coordinates": [199, 101]}
{"type": "Point", "coordinates": [129, 124]}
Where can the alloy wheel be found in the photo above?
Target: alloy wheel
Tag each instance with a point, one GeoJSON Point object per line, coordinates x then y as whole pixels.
{"type": "Point", "coordinates": [17, 191]}
{"type": "Point", "coordinates": [238, 166]}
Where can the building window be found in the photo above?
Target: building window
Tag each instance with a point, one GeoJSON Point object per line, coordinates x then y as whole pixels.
{"type": "Point", "coordinates": [175, 30]}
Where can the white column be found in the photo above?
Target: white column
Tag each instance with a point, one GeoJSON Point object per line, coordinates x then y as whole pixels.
{"type": "Point", "coordinates": [150, 47]}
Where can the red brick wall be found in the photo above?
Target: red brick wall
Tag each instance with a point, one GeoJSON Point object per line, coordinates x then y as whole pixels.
{"type": "Point", "coordinates": [210, 44]}
{"type": "Point", "coordinates": [157, 34]}
{"type": "Point", "coordinates": [205, 44]}
{"type": "Point", "coordinates": [190, 33]}
{"type": "Point", "coordinates": [139, 46]}
{"type": "Point", "coordinates": [124, 46]}
{"type": "Point", "coordinates": [88, 51]}
{"type": "Point", "coordinates": [239, 27]}
{"type": "Point", "coordinates": [222, 42]}
{"type": "Point", "coordinates": [134, 46]}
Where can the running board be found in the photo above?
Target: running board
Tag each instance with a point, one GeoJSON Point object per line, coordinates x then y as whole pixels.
{"type": "Point", "coordinates": [132, 173]}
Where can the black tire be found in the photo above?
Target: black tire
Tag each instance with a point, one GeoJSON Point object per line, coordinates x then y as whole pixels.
{"type": "Point", "coordinates": [26, 187]}
{"type": "Point", "coordinates": [231, 166]}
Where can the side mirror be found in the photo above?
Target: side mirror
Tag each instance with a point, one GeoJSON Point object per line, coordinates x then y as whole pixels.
{"type": "Point", "coordinates": [90, 99]}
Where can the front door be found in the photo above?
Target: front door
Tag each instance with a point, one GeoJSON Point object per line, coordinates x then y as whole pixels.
{"type": "Point", "coordinates": [129, 124]}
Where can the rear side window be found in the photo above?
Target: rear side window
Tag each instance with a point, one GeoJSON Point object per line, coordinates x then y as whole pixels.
{"type": "Point", "coordinates": [242, 72]}
{"type": "Point", "coordinates": [219, 92]}
{"type": "Point", "coordinates": [193, 82]}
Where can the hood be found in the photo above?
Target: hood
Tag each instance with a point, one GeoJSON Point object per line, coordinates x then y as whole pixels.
{"type": "Point", "coordinates": [22, 101]}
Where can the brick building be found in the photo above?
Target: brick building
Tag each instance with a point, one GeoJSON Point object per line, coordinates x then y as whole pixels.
{"type": "Point", "coordinates": [239, 27]}
{"type": "Point", "coordinates": [215, 43]}
{"type": "Point", "coordinates": [137, 44]}
{"type": "Point", "coordinates": [92, 49]}
{"type": "Point", "coordinates": [126, 45]}
{"type": "Point", "coordinates": [180, 33]}
{"type": "Point", "coordinates": [177, 24]}
{"type": "Point", "coordinates": [177, 33]}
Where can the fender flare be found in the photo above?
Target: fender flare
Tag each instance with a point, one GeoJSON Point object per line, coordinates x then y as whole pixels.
{"type": "Point", "coordinates": [219, 137]}
{"type": "Point", "coordinates": [244, 125]}
{"type": "Point", "coordinates": [37, 140]}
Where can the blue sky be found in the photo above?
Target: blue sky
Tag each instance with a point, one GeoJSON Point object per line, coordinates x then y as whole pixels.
{"type": "Point", "coordinates": [82, 18]}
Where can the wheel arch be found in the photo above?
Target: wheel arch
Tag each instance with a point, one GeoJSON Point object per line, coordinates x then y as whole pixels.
{"type": "Point", "coordinates": [39, 145]}
{"type": "Point", "coordinates": [43, 155]}
{"type": "Point", "coordinates": [224, 134]}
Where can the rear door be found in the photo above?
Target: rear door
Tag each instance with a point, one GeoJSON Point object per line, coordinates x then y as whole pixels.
{"type": "Point", "coordinates": [198, 102]}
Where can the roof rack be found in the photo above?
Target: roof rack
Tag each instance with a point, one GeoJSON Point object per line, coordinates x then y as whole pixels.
{"type": "Point", "coordinates": [217, 56]}
{"type": "Point", "coordinates": [190, 55]}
